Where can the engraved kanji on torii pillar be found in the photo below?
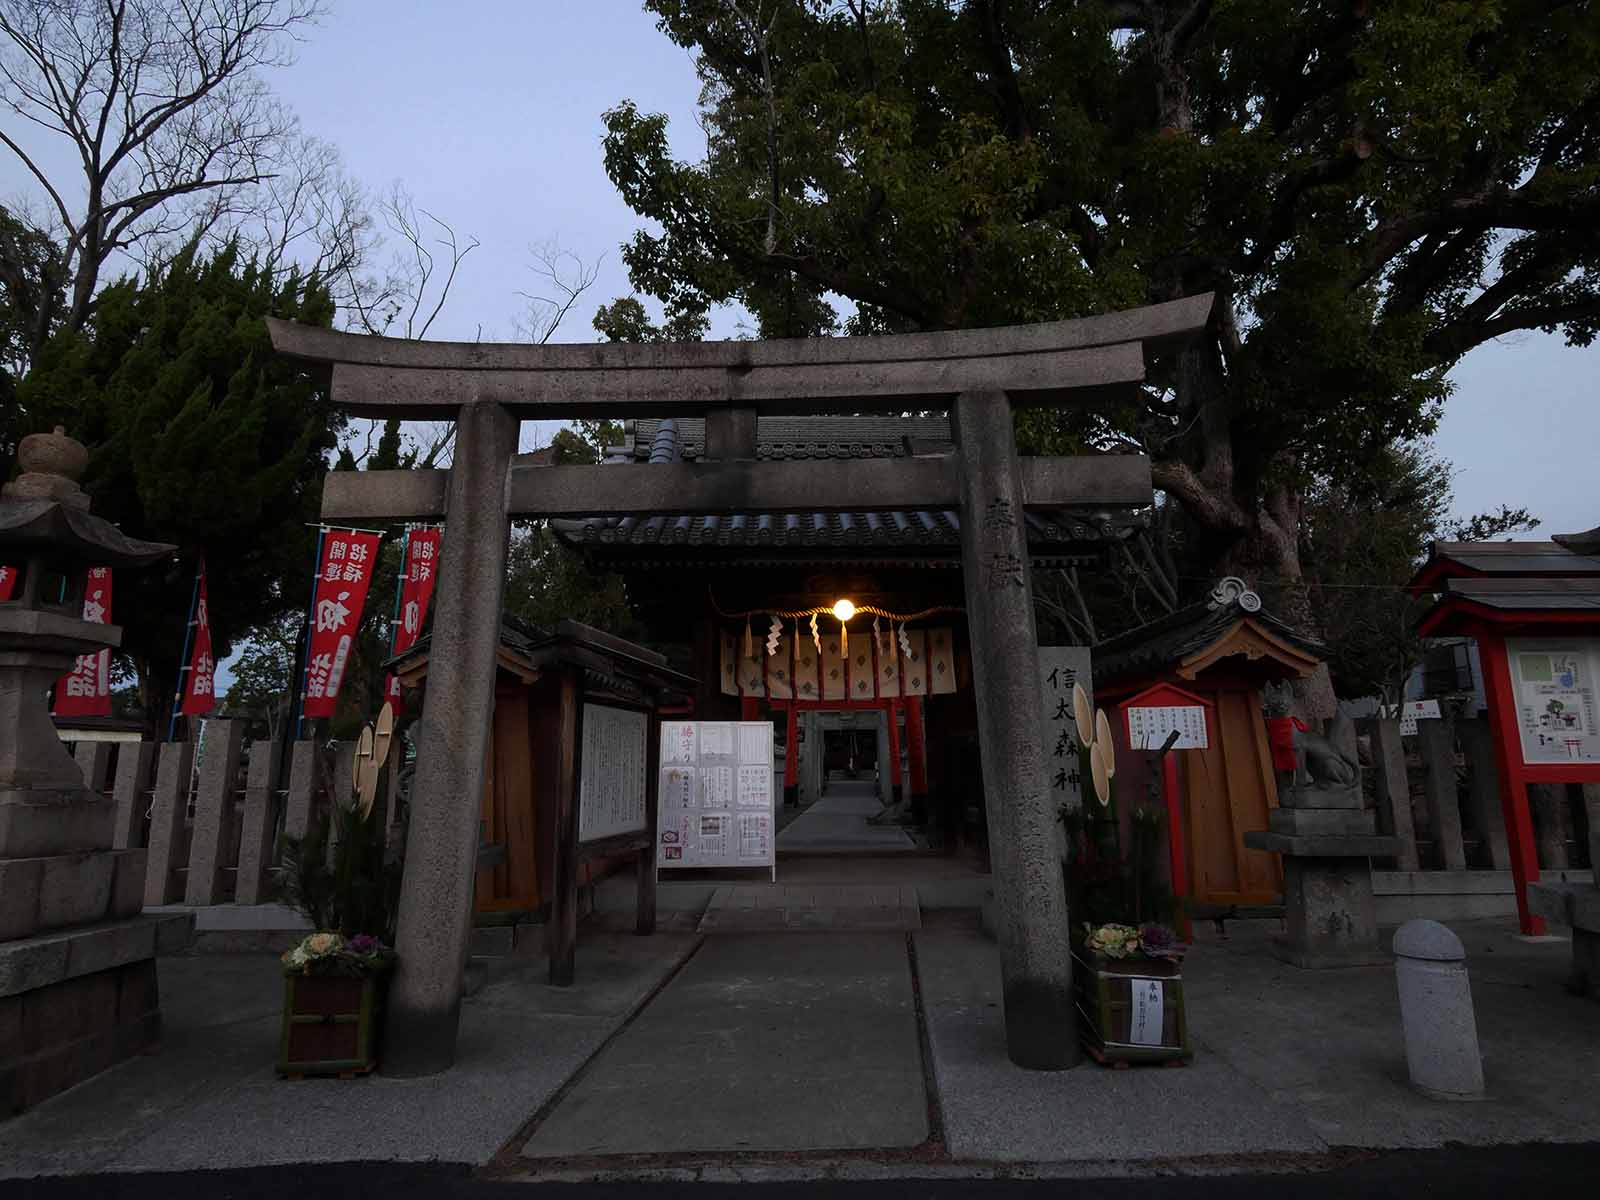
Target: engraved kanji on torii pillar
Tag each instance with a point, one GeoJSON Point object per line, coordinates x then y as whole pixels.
{"type": "Point", "coordinates": [979, 374]}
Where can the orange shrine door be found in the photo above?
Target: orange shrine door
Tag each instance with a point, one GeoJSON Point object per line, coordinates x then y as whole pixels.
{"type": "Point", "coordinates": [1230, 787]}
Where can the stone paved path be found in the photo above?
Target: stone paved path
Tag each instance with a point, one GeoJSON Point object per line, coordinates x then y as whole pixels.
{"type": "Point", "coordinates": [777, 1042]}
{"type": "Point", "coordinates": [838, 821]}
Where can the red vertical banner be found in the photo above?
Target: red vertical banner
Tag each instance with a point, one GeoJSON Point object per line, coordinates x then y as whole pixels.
{"type": "Point", "coordinates": [85, 691]}
{"type": "Point", "coordinates": [343, 577]}
{"type": "Point", "coordinates": [8, 582]}
{"type": "Point", "coordinates": [416, 591]}
{"type": "Point", "coordinates": [199, 684]}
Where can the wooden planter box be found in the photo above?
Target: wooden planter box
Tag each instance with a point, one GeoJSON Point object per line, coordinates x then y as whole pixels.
{"type": "Point", "coordinates": [331, 1024]}
{"type": "Point", "coordinates": [1117, 1022]}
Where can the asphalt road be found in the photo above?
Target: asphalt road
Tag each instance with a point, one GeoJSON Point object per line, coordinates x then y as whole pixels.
{"type": "Point", "coordinates": [1453, 1173]}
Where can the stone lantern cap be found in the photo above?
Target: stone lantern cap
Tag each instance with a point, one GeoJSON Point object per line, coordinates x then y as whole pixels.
{"type": "Point", "coordinates": [44, 512]}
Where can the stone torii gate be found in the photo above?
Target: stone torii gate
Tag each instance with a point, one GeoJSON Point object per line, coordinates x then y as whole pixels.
{"type": "Point", "coordinates": [979, 376]}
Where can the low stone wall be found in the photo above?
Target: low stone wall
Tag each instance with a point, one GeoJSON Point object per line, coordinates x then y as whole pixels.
{"type": "Point", "coordinates": [1453, 895]}
{"type": "Point", "coordinates": [75, 1002]}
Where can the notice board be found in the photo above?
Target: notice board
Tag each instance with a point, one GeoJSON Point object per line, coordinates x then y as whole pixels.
{"type": "Point", "coordinates": [611, 789]}
{"type": "Point", "coordinates": [716, 795]}
{"type": "Point", "coordinates": [1555, 680]}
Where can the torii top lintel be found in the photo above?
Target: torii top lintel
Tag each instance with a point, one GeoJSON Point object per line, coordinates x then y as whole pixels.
{"type": "Point", "coordinates": [1050, 363]}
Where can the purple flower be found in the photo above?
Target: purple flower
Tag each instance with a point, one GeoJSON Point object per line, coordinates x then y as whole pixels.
{"type": "Point", "coordinates": [1157, 941]}
{"type": "Point", "coordinates": [363, 943]}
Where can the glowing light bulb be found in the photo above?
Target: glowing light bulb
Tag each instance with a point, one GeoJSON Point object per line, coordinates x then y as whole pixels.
{"type": "Point", "coordinates": [843, 609]}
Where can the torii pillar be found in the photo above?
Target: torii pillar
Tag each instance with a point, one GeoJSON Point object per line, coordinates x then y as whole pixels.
{"type": "Point", "coordinates": [1030, 891]}
{"type": "Point", "coordinates": [435, 923]}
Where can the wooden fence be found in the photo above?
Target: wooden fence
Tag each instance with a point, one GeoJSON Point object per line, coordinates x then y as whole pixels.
{"type": "Point", "coordinates": [1439, 792]}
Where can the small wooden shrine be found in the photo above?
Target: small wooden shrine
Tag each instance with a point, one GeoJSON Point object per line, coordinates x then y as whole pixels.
{"type": "Point", "coordinates": [571, 785]}
{"type": "Point", "coordinates": [1217, 654]}
{"type": "Point", "coordinates": [1534, 610]}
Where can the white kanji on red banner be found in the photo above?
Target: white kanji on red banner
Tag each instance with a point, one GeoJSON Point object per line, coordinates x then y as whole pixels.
{"type": "Point", "coordinates": [416, 590]}
{"type": "Point", "coordinates": [85, 691]}
{"type": "Point", "coordinates": [199, 684]}
{"type": "Point", "coordinates": [343, 577]}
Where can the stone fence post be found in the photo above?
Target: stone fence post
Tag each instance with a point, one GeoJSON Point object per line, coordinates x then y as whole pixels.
{"type": "Point", "coordinates": [131, 792]}
{"type": "Point", "coordinates": [213, 844]}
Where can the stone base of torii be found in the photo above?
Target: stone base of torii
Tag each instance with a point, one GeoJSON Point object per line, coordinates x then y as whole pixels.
{"type": "Point", "coordinates": [980, 376]}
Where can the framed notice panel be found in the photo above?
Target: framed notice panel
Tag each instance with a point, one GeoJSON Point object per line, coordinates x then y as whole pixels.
{"type": "Point", "coordinates": [1555, 686]}
{"type": "Point", "coordinates": [716, 795]}
{"type": "Point", "coordinates": [611, 793]}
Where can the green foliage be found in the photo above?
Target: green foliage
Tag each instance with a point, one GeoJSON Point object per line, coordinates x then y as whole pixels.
{"type": "Point", "coordinates": [1103, 885]}
{"type": "Point", "coordinates": [198, 435]}
{"type": "Point", "coordinates": [547, 580]}
{"type": "Point", "coordinates": [352, 889]}
{"type": "Point", "coordinates": [1370, 189]}
{"type": "Point", "coordinates": [264, 677]}
{"type": "Point", "coordinates": [1361, 541]}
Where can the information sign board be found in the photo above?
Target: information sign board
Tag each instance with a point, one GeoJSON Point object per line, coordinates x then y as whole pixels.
{"type": "Point", "coordinates": [1554, 680]}
{"type": "Point", "coordinates": [611, 789]}
{"type": "Point", "coordinates": [716, 795]}
{"type": "Point", "coordinates": [1413, 711]}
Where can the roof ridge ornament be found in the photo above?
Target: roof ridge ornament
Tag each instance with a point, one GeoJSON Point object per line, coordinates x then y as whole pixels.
{"type": "Point", "coordinates": [1231, 589]}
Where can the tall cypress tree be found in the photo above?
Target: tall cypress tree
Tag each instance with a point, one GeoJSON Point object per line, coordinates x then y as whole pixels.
{"type": "Point", "coordinates": [201, 436]}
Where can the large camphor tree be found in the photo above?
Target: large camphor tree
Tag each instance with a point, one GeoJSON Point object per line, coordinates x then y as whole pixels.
{"type": "Point", "coordinates": [1371, 189]}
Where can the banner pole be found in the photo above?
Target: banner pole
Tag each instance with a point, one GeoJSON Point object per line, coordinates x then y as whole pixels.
{"type": "Point", "coordinates": [305, 657]}
{"type": "Point", "coordinates": [188, 649]}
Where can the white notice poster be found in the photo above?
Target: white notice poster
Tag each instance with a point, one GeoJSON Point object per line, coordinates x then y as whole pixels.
{"type": "Point", "coordinates": [717, 795]}
{"type": "Point", "coordinates": [716, 740]}
{"type": "Point", "coordinates": [1555, 684]}
{"type": "Point", "coordinates": [678, 742]}
{"type": "Point", "coordinates": [1148, 1013]}
{"type": "Point", "coordinates": [611, 789]}
{"type": "Point", "coordinates": [1149, 728]}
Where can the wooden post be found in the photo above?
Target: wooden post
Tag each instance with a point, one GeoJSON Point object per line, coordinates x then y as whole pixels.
{"type": "Point", "coordinates": [791, 756]}
{"type": "Point", "coordinates": [1591, 806]}
{"type": "Point", "coordinates": [1394, 790]}
{"type": "Point", "coordinates": [1547, 802]}
{"type": "Point", "coordinates": [1177, 854]}
{"type": "Point", "coordinates": [917, 751]}
{"type": "Point", "coordinates": [645, 922]}
{"type": "Point", "coordinates": [134, 763]}
{"type": "Point", "coordinates": [891, 709]}
{"type": "Point", "coordinates": [1035, 961]}
{"type": "Point", "coordinates": [569, 778]}
{"type": "Point", "coordinates": [1501, 698]}
{"type": "Point", "coordinates": [1437, 740]}
{"type": "Point", "coordinates": [1483, 792]}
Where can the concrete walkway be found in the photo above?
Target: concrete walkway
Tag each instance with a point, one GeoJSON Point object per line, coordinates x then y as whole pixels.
{"type": "Point", "coordinates": [209, 1096]}
{"type": "Point", "coordinates": [799, 1053]}
{"type": "Point", "coordinates": [838, 821]}
{"type": "Point", "coordinates": [761, 1043]}
{"type": "Point", "coordinates": [1286, 1061]}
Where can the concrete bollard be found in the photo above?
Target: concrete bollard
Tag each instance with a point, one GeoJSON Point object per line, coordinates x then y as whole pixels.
{"type": "Point", "coordinates": [1441, 1032]}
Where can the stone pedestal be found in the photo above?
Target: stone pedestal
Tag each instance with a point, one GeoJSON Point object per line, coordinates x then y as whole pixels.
{"type": "Point", "coordinates": [1578, 906]}
{"type": "Point", "coordinates": [77, 960]}
{"type": "Point", "coordinates": [1326, 838]}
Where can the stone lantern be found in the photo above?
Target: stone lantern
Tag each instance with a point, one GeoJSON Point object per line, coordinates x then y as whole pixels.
{"type": "Point", "coordinates": [72, 940]}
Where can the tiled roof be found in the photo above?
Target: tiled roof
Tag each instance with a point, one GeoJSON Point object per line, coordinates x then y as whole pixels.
{"type": "Point", "coordinates": [1520, 558]}
{"type": "Point", "coordinates": [811, 437]}
{"type": "Point", "coordinates": [1055, 537]}
{"type": "Point", "coordinates": [1527, 595]}
{"type": "Point", "coordinates": [1174, 638]}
